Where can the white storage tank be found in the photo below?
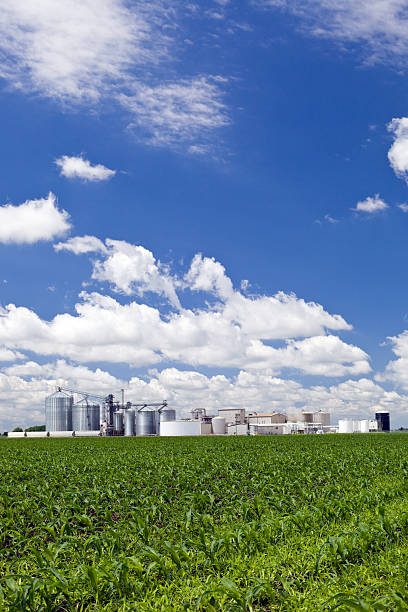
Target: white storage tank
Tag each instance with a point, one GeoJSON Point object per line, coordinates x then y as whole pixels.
{"type": "Point", "coordinates": [346, 426]}
{"type": "Point", "coordinates": [185, 428]}
{"type": "Point", "coordinates": [218, 426]}
{"type": "Point", "coordinates": [364, 426]}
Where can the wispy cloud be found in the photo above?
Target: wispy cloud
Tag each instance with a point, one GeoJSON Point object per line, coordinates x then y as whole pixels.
{"type": "Point", "coordinates": [380, 26]}
{"type": "Point", "coordinates": [93, 51]}
{"type": "Point", "coordinates": [177, 111]}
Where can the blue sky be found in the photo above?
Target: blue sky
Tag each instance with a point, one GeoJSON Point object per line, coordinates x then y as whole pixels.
{"type": "Point", "coordinates": [234, 171]}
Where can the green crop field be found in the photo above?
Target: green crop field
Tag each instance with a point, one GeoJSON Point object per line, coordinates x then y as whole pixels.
{"type": "Point", "coordinates": [262, 523]}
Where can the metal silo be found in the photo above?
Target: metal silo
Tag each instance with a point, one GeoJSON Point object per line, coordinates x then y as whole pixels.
{"type": "Point", "coordinates": [58, 412]}
{"type": "Point", "coordinates": [130, 423]}
{"type": "Point", "coordinates": [167, 415]}
{"type": "Point", "coordinates": [85, 417]}
{"type": "Point", "coordinates": [118, 422]}
{"type": "Point", "coordinates": [146, 423]}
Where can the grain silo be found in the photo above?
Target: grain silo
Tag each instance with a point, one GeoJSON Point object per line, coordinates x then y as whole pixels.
{"type": "Point", "coordinates": [85, 416]}
{"type": "Point", "coordinates": [146, 423]}
{"type": "Point", "coordinates": [58, 411]}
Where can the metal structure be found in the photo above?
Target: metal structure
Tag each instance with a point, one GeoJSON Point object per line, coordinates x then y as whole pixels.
{"type": "Point", "coordinates": [130, 422]}
{"type": "Point", "coordinates": [146, 423]}
{"type": "Point", "coordinates": [58, 411]}
{"type": "Point", "coordinates": [167, 415]}
{"type": "Point", "coordinates": [383, 420]}
{"type": "Point", "coordinates": [85, 416]}
{"type": "Point", "coordinates": [118, 427]}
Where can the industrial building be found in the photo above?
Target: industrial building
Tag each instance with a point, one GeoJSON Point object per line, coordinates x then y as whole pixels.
{"type": "Point", "coordinates": [96, 415]}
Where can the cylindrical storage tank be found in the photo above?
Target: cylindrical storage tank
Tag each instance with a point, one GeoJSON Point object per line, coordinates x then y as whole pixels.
{"type": "Point", "coordinates": [118, 421]}
{"type": "Point", "coordinates": [218, 426]}
{"type": "Point", "coordinates": [307, 417]}
{"type": "Point", "coordinates": [86, 417]}
{"type": "Point", "coordinates": [364, 426]}
{"type": "Point", "coordinates": [58, 412]}
{"type": "Point", "coordinates": [146, 423]}
{"type": "Point", "coordinates": [130, 423]}
{"type": "Point", "coordinates": [167, 415]}
{"type": "Point", "coordinates": [346, 426]}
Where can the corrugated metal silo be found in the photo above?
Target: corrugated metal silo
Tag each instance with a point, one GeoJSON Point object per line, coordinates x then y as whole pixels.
{"type": "Point", "coordinates": [85, 417]}
{"type": "Point", "coordinates": [130, 423]}
{"type": "Point", "coordinates": [146, 423]}
{"type": "Point", "coordinates": [167, 415]}
{"type": "Point", "coordinates": [118, 421]}
{"type": "Point", "coordinates": [58, 412]}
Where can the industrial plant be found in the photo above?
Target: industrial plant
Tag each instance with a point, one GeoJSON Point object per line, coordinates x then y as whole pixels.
{"type": "Point", "coordinates": [97, 415]}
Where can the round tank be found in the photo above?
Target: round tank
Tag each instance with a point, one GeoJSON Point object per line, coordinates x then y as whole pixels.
{"type": "Point", "coordinates": [85, 417]}
{"type": "Point", "coordinates": [218, 425]}
{"type": "Point", "coordinates": [346, 426]}
{"type": "Point", "coordinates": [364, 426]}
{"type": "Point", "coordinates": [167, 415]}
{"type": "Point", "coordinates": [118, 421]}
{"type": "Point", "coordinates": [146, 423]}
{"type": "Point", "coordinates": [58, 412]}
{"type": "Point", "coordinates": [130, 423]}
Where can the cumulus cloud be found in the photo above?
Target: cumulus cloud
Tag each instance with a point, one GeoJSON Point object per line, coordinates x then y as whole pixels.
{"type": "Point", "coordinates": [206, 274]}
{"type": "Point", "coordinates": [32, 221]}
{"type": "Point", "coordinates": [396, 370]}
{"type": "Point", "coordinates": [371, 205]}
{"type": "Point", "coordinates": [134, 269]}
{"type": "Point", "coordinates": [381, 27]}
{"type": "Point", "coordinates": [78, 167]}
{"type": "Point", "coordinates": [236, 331]}
{"type": "Point", "coordinates": [398, 153]}
{"type": "Point", "coordinates": [91, 51]}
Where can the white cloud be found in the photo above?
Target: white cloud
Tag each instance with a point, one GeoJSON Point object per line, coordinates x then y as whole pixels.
{"type": "Point", "coordinates": [403, 207]}
{"type": "Point", "coordinates": [133, 269]}
{"type": "Point", "coordinates": [94, 51]}
{"type": "Point", "coordinates": [81, 244]}
{"type": "Point", "coordinates": [380, 27]}
{"type": "Point", "coordinates": [32, 221]}
{"type": "Point", "coordinates": [78, 167]}
{"type": "Point", "coordinates": [7, 355]}
{"type": "Point", "coordinates": [331, 219]}
{"type": "Point", "coordinates": [234, 332]}
{"type": "Point", "coordinates": [396, 370]}
{"type": "Point", "coordinates": [206, 274]}
{"type": "Point", "coordinates": [78, 49]}
{"type": "Point", "coordinates": [398, 153]}
{"type": "Point", "coordinates": [371, 205]}
{"type": "Point", "coordinates": [177, 111]}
